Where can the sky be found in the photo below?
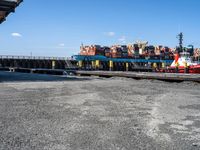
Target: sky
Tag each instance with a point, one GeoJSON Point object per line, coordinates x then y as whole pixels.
{"type": "Point", "coordinates": [58, 27]}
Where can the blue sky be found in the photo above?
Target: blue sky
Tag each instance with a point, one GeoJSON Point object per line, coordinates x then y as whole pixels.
{"type": "Point", "coordinates": [57, 28]}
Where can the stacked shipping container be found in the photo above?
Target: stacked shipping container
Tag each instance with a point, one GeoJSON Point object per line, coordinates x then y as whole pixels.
{"type": "Point", "coordinates": [138, 50]}
{"type": "Point", "coordinates": [92, 50]}
{"type": "Point", "coordinates": [197, 52]}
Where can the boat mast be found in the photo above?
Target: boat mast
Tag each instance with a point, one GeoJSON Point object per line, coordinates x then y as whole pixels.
{"type": "Point", "coordinates": [181, 41]}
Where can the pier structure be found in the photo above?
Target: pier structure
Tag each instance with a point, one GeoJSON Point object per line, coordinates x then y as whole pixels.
{"type": "Point", "coordinates": [36, 62]}
{"type": "Point", "coordinates": [170, 77]}
{"type": "Point", "coordinates": [99, 62]}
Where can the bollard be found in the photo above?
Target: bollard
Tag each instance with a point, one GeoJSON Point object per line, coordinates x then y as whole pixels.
{"type": "Point", "coordinates": [111, 65]}
{"type": "Point", "coordinates": [127, 66]}
{"type": "Point", "coordinates": [80, 64]}
{"type": "Point", "coordinates": [154, 66]}
{"type": "Point", "coordinates": [97, 64]}
{"type": "Point", "coordinates": [163, 65]}
{"type": "Point", "coordinates": [177, 65]}
{"type": "Point", "coordinates": [53, 64]}
{"type": "Point", "coordinates": [186, 70]}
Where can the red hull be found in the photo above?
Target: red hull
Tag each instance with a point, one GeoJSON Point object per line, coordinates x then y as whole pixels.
{"type": "Point", "coordinates": [191, 69]}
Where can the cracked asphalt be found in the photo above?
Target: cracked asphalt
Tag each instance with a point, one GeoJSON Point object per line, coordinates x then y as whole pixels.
{"type": "Point", "coordinates": [42, 112]}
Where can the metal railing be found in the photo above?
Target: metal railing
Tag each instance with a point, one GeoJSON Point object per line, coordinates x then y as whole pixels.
{"type": "Point", "coordinates": [34, 57]}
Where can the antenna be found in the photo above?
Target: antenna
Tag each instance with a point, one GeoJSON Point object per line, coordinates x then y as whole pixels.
{"type": "Point", "coordinates": [82, 46]}
{"type": "Point", "coordinates": [180, 36]}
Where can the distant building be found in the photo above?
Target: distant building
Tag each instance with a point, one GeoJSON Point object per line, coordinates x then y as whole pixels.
{"type": "Point", "coordinates": [6, 7]}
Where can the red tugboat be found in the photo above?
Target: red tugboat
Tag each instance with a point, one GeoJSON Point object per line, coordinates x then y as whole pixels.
{"type": "Point", "coordinates": [183, 63]}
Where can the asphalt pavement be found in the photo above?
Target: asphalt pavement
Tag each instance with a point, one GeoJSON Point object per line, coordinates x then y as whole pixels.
{"type": "Point", "coordinates": [90, 113]}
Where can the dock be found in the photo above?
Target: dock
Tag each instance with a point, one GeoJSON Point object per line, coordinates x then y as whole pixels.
{"type": "Point", "coordinates": [174, 77]}
{"type": "Point", "coordinates": [36, 62]}
{"type": "Point", "coordinates": [39, 70]}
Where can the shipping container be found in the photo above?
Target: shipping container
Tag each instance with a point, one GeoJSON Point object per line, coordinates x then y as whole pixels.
{"type": "Point", "coordinates": [116, 51]}
{"type": "Point", "coordinates": [130, 48]}
{"type": "Point", "coordinates": [107, 51]}
{"type": "Point", "coordinates": [158, 50]}
{"type": "Point", "coordinates": [92, 50]}
{"type": "Point", "coordinates": [138, 50]}
{"type": "Point", "coordinates": [197, 52]}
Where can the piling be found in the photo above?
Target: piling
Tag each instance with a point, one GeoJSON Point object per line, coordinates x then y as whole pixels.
{"type": "Point", "coordinates": [80, 64]}
{"type": "Point", "coordinates": [186, 70]}
{"type": "Point", "coordinates": [155, 66]}
{"type": "Point", "coordinates": [111, 65]}
{"type": "Point", "coordinates": [127, 67]}
{"type": "Point", "coordinates": [163, 65]}
{"type": "Point", "coordinates": [177, 65]}
{"type": "Point", "coordinates": [53, 64]}
{"type": "Point", "coordinates": [97, 64]}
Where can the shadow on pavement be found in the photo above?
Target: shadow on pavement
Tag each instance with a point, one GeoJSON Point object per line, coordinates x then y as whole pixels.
{"type": "Point", "coordinates": [27, 77]}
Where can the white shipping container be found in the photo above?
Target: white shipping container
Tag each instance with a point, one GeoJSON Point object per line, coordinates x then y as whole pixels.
{"type": "Point", "coordinates": [140, 51]}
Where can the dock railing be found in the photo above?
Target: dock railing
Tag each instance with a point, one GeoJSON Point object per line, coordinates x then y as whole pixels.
{"type": "Point", "coordinates": [34, 57]}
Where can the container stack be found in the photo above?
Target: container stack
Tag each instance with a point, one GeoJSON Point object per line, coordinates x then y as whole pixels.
{"type": "Point", "coordinates": [197, 52]}
{"type": "Point", "coordinates": [130, 48]}
{"type": "Point", "coordinates": [124, 50]}
{"type": "Point", "coordinates": [158, 50]}
{"type": "Point", "coordinates": [142, 47]}
{"type": "Point", "coordinates": [84, 50]}
{"type": "Point", "coordinates": [92, 50]}
{"type": "Point", "coordinates": [134, 50]}
{"type": "Point", "coordinates": [116, 51]}
{"type": "Point", "coordinates": [107, 51]}
{"type": "Point", "coordinates": [166, 52]}
{"type": "Point", "coordinates": [151, 50]}
{"type": "Point", "coordinates": [138, 50]}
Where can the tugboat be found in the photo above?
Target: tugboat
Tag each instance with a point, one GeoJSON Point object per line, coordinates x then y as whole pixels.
{"type": "Point", "coordinates": [183, 63]}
